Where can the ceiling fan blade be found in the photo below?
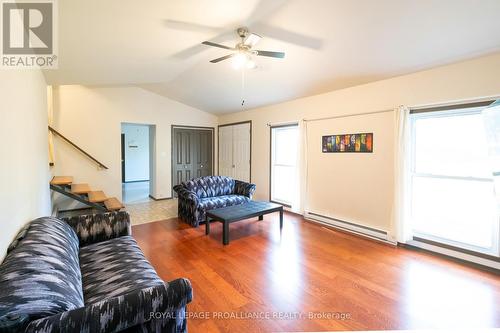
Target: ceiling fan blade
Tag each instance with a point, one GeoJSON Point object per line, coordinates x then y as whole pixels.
{"type": "Point", "coordinates": [188, 52]}
{"type": "Point", "coordinates": [218, 45]}
{"type": "Point", "coordinates": [263, 10]}
{"type": "Point", "coordinates": [252, 39]}
{"type": "Point", "coordinates": [289, 36]}
{"type": "Point", "coordinates": [198, 48]}
{"type": "Point", "coordinates": [189, 26]}
{"type": "Point", "coordinates": [270, 54]}
{"type": "Point", "coordinates": [222, 58]}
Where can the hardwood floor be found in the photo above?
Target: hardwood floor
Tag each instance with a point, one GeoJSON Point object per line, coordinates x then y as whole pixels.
{"type": "Point", "coordinates": [308, 270]}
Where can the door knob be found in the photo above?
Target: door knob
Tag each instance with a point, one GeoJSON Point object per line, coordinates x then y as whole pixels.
{"type": "Point", "coordinates": [201, 166]}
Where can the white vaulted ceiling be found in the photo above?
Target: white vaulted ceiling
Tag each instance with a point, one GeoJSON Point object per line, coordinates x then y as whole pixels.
{"type": "Point", "coordinates": [329, 44]}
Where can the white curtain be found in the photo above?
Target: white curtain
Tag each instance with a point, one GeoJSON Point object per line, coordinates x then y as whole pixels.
{"type": "Point", "coordinates": [299, 201]}
{"type": "Point", "coordinates": [401, 229]}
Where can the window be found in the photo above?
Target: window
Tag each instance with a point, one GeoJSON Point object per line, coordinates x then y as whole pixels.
{"type": "Point", "coordinates": [284, 150]}
{"type": "Point", "coordinates": [451, 188]}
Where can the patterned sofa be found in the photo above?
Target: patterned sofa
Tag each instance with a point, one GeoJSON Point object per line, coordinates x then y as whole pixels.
{"type": "Point", "coordinates": [86, 274]}
{"type": "Point", "coordinates": [201, 194]}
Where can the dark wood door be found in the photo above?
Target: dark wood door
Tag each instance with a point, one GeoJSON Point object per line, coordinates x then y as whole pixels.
{"type": "Point", "coordinates": [203, 153]}
{"type": "Point", "coordinates": [182, 156]}
{"type": "Point", "coordinates": [191, 154]}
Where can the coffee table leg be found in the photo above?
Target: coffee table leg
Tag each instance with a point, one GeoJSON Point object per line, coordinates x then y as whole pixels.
{"type": "Point", "coordinates": [261, 217]}
{"type": "Point", "coordinates": [207, 225]}
{"type": "Point", "coordinates": [281, 218]}
{"type": "Point", "coordinates": [225, 233]}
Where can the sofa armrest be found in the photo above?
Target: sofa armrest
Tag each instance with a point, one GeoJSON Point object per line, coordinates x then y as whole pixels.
{"type": "Point", "coordinates": [185, 194]}
{"type": "Point", "coordinates": [244, 188]}
{"type": "Point", "coordinates": [121, 312]}
{"type": "Point", "coordinates": [99, 227]}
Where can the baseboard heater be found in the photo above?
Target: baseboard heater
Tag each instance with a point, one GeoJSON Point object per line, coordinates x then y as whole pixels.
{"type": "Point", "coordinates": [354, 228]}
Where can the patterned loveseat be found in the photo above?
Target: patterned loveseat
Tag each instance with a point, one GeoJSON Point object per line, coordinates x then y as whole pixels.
{"type": "Point", "coordinates": [86, 274]}
{"type": "Point", "coordinates": [201, 194]}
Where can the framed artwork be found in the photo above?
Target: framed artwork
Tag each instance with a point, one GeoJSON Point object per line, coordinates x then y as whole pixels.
{"type": "Point", "coordinates": [348, 143]}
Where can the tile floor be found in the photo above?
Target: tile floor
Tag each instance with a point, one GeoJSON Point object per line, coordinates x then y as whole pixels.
{"type": "Point", "coordinates": [136, 192]}
{"type": "Point", "coordinates": [142, 208]}
{"type": "Point", "coordinates": [144, 212]}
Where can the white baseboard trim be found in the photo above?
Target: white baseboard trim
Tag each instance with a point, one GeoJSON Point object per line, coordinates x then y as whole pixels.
{"type": "Point", "coordinates": [455, 254]}
{"type": "Point", "coordinates": [382, 236]}
{"type": "Point", "coordinates": [354, 228]}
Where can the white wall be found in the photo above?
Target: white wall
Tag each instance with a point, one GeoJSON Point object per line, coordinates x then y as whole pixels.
{"type": "Point", "coordinates": [136, 152]}
{"type": "Point", "coordinates": [358, 187]}
{"type": "Point", "coordinates": [92, 117]}
{"type": "Point", "coordinates": [24, 167]}
{"type": "Point", "coordinates": [354, 187]}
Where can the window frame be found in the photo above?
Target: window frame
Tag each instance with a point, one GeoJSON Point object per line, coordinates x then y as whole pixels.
{"type": "Point", "coordinates": [448, 111]}
{"type": "Point", "coordinates": [271, 160]}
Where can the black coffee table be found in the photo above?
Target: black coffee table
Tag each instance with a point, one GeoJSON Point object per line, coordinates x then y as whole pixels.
{"type": "Point", "coordinates": [231, 214]}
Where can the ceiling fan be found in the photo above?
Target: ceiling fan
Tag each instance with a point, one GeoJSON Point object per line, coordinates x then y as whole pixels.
{"type": "Point", "coordinates": [243, 50]}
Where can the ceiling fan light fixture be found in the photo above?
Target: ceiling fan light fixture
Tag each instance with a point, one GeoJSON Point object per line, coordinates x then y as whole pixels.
{"type": "Point", "coordinates": [240, 60]}
{"type": "Point", "coordinates": [251, 64]}
{"type": "Point", "coordinates": [243, 57]}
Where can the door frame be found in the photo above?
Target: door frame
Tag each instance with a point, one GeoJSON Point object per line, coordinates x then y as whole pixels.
{"type": "Point", "coordinates": [123, 156]}
{"type": "Point", "coordinates": [152, 156]}
{"type": "Point", "coordinates": [218, 143]}
{"type": "Point", "coordinates": [172, 127]}
{"type": "Point", "coordinates": [271, 127]}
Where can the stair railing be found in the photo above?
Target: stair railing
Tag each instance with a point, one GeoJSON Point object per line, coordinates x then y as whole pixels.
{"type": "Point", "coordinates": [77, 148]}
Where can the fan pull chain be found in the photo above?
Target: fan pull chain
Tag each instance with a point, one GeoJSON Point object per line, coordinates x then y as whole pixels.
{"type": "Point", "coordinates": [243, 86]}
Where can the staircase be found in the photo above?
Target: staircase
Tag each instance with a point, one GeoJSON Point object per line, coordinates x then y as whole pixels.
{"type": "Point", "coordinates": [84, 194]}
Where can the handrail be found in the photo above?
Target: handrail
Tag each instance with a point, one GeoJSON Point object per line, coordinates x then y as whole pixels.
{"type": "Point", "coordinates": [77, 148]}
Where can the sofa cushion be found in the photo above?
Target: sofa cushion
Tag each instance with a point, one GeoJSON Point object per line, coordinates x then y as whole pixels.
{"type": "Point", "coordinates": [94, 228]}
{"type": "Point", "coordinates": [114, 267]}
{"type": "Point", "coordinates": [211, 186]}
{"type": "Point", "coordinates": [222, 201]}
{"type": "Point", "coordinates": [41, 275]}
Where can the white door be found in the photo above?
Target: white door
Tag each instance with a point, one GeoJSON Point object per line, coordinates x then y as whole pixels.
{"type": "Point", "coordinates": [234, 151]}
{"type": "Point", "coordinates": [226, 151]}
{"type": "Point", "coordinates": [241, 152]}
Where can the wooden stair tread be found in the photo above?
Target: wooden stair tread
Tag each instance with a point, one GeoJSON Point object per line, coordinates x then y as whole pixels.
{"type": "Point", "coordinates": [97, 196]}
{"type": "Point", "coordinates": [113, 204]}
{"type": "Point", "coordinates": [61, 180]}
{"type": "Point", "coordinates": [80, 188]}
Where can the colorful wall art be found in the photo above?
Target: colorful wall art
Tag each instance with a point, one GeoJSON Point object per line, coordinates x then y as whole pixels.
{"type": "Point", "coordinates": [348, 143]}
